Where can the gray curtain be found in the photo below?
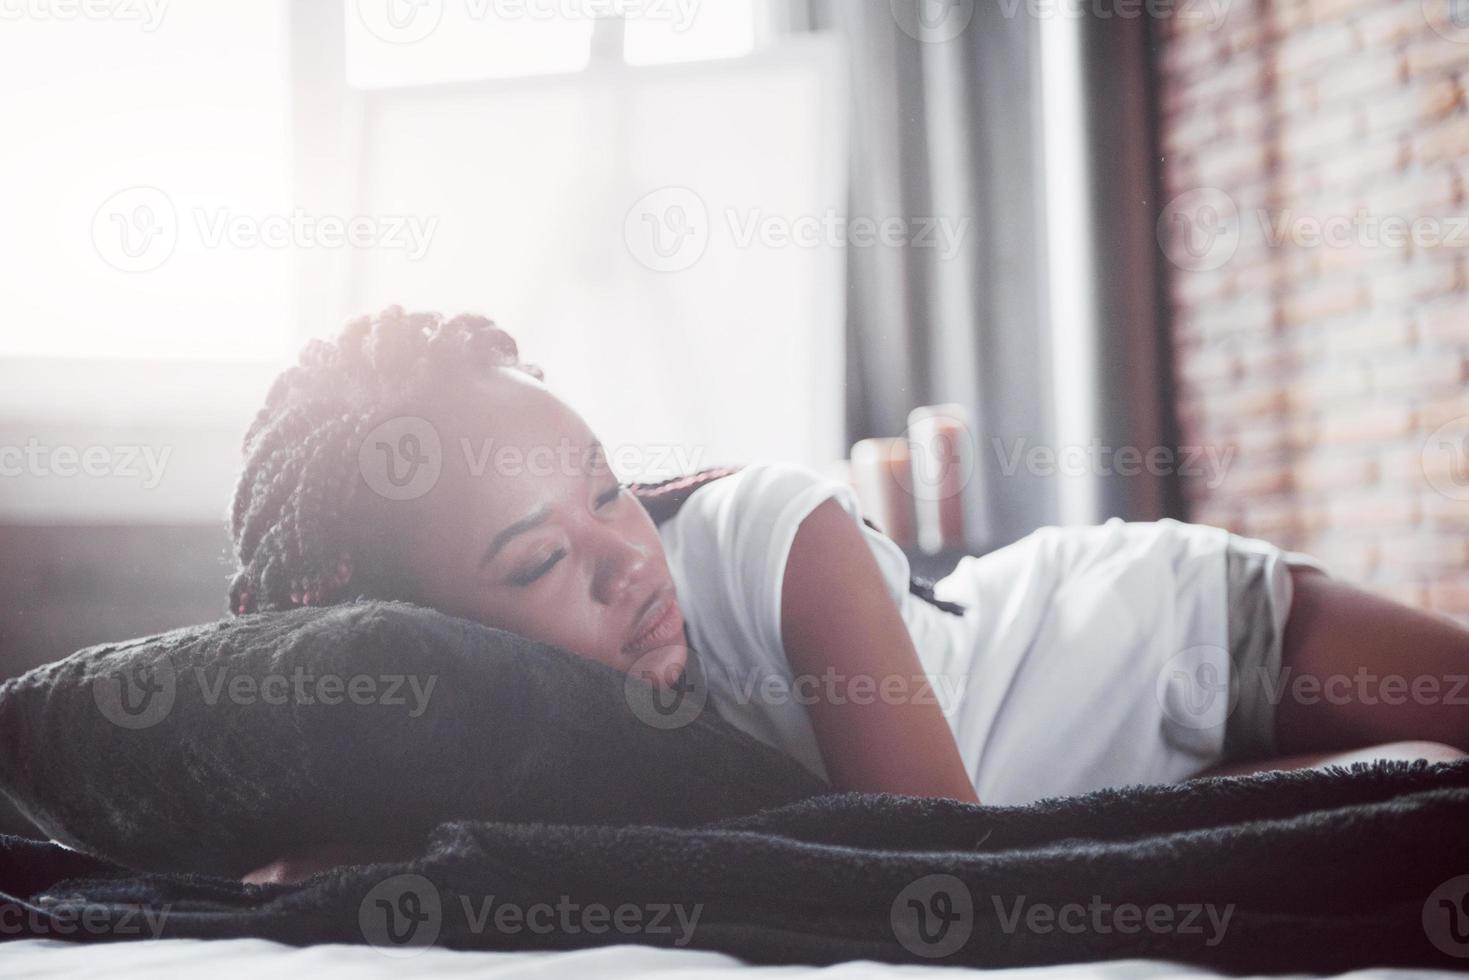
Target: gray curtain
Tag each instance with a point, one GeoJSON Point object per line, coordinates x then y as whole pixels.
{"type": "Point", "coordinates": [949, 128]}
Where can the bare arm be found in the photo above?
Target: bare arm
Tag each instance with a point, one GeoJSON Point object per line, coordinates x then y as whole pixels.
{"type": "Point", "coordinates": [836, 614]}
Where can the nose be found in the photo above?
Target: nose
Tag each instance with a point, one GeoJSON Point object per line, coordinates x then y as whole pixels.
{"type": "Point", "coordinates": [622, 565]}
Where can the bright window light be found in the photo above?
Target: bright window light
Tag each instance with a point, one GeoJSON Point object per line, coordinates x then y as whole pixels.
{"type": "Point", "coordinates": [690, 32]}
{"type": "Point", "coordinates": [123, 181]}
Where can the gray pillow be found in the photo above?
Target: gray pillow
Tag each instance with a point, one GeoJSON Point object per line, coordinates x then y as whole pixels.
{"type": "Point", "coordinates": [218, 748]}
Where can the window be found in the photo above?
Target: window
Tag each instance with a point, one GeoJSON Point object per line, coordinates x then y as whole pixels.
{"type": "Point", "coordinates": [132, 149]}
{"type": "Point", "coordinates": [393, 43]}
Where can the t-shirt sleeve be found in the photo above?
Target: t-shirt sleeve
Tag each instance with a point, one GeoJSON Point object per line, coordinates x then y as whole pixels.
{"type": "Point", "coordinates": [761, 516]}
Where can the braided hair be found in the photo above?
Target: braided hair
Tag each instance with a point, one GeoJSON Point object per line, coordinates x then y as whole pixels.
{"type": "Point", "coordinates": [295, 543]}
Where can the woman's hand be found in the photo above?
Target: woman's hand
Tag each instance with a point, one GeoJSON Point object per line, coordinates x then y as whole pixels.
{"type": "Point", "coordinates": [304, 864]}
{"type": "Point", "coordinates": [837, 615]}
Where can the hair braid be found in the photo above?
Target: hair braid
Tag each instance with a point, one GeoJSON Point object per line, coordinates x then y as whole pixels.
{"type": "Point", "coordinates": [290, 517]}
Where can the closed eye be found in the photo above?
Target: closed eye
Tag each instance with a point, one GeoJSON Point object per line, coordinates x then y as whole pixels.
{"type": "Point", "coordinates": [531, 576]}
{"type": "Point", "coordinates": [611, 495]}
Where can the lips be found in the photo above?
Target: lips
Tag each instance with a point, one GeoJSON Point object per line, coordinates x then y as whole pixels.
{"type": "Point", "coordinates": [660, 623]}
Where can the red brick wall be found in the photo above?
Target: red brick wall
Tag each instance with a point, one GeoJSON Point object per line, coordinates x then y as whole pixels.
{"type": "Point", "coordinates": [1316, 154]}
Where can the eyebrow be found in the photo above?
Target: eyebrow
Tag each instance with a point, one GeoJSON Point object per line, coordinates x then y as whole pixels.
{"type": "Point", "coordinates": [534, 519]}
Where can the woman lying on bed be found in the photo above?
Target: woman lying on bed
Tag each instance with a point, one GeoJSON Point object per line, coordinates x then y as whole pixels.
{"type": "Point", "coordinates": [1084, 657]}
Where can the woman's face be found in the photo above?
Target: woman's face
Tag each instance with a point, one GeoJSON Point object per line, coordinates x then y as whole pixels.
{"type": "Point", "coordinates": [526, 529]}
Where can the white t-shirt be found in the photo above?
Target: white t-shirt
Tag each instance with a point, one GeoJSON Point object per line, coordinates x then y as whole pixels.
{"type": "Point", "coordinates": [1061, 677]}
{"type": "Point", "coordinates": [727, 549]}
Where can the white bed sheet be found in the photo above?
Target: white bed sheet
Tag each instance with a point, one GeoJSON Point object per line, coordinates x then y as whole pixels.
{"type": "Point", "coordinates": [248, 959]}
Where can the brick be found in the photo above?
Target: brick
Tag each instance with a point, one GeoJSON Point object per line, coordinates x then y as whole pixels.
{"type": "Point", "coordinates": [1246, 120]}
{"type": "Point", "coordinates": [1372, 510]}
{"type": "Point", "coordinates": [1325, 11]}
{"type": "Point", "coordinates": [1450, 596]}
{"type": "Point", "coordinates": [1411, 106]}
{"type": "Point", "coordinates": [1388, 23]}
{"type": "Point", "coordinates": [1263, 440]}
{"type": "Point", "coordinates": [1269, 360]}
{"type": "Point", "coordinates": [1239, 78]}
{"type": "Point", "coordinates": [1256, 278]}
{"type": "Point", "coordinates": [1249, 317]}
{"type": "Point", "coordinates": [1371, 336]}
{"type": "Point", "coordinates": [1420, 470]}
{"type": "Point", "coordinates": [1246, 482]}
{"type": "Point", "coordinates": [1353, 557]}
{"type": "Point", "coordinates": [1445, 323]}
{"type": "Point", "coordinates": [1321, 302]}
{"type": "Point", "coordinates": [1307, 49]}
{"type": "Point", "coordinates": [1409, 195]}
{"type": "Point", "coordinates": [1356, 258]}
{"type": "Point", "coordinates": [1448, 140]}
{"type": "Point", "coordinates": [1372, 72]}
{"type": "Point", "coordinates": [1413, 594]}
{"type": "Point", "coordinates": [1443, 513]}
{"type": "Point", "coordinates": [1188, 130]}
{"type": "Point", "coordinates": [1247, 36]}
{"type": "Point", "coordinates": [1305, 137]}
{"type": "Point", "coordinates": [1415, 280]}
{"type": "Point", "coordinates": [1231, 162]}
{"type": "Point", "coordinates": [1333, 385]}
{"type": "Point", "coordinates": [1250, 402]}
{"type": "Point", "coordinates": [1210, 365]}
{"type": "Point", "coordinates": [1422, 375]}
{"type": "Point", "coordinates": [1216, 511]}
{"type": "Point", "coordinates": [1423, 550]}
{"type": "Point", "coordinates": [1193, 288]}
{"type": "Point", "coordinates": [1364, 161]}
{"type": "Point", "coordinates": [1432, 53]}
{"type": "Point", "coordinates": [1374, 422]}
{"type": "Point", "coordinates": [1434, 412]}
{"type": "Point", "coordinates": [1274, 521]}
{"type": "Point", "coordinates": [1333, 471]}
{"type": "Point", "coordinates": [1190, 55]}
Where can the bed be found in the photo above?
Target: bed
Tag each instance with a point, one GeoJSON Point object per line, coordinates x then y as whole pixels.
{"type": "Point", "coordinates": [248, 959]}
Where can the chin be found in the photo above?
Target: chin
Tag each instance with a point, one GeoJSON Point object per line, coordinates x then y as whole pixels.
{"type": "Point", "coordinates": [662, 666]}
